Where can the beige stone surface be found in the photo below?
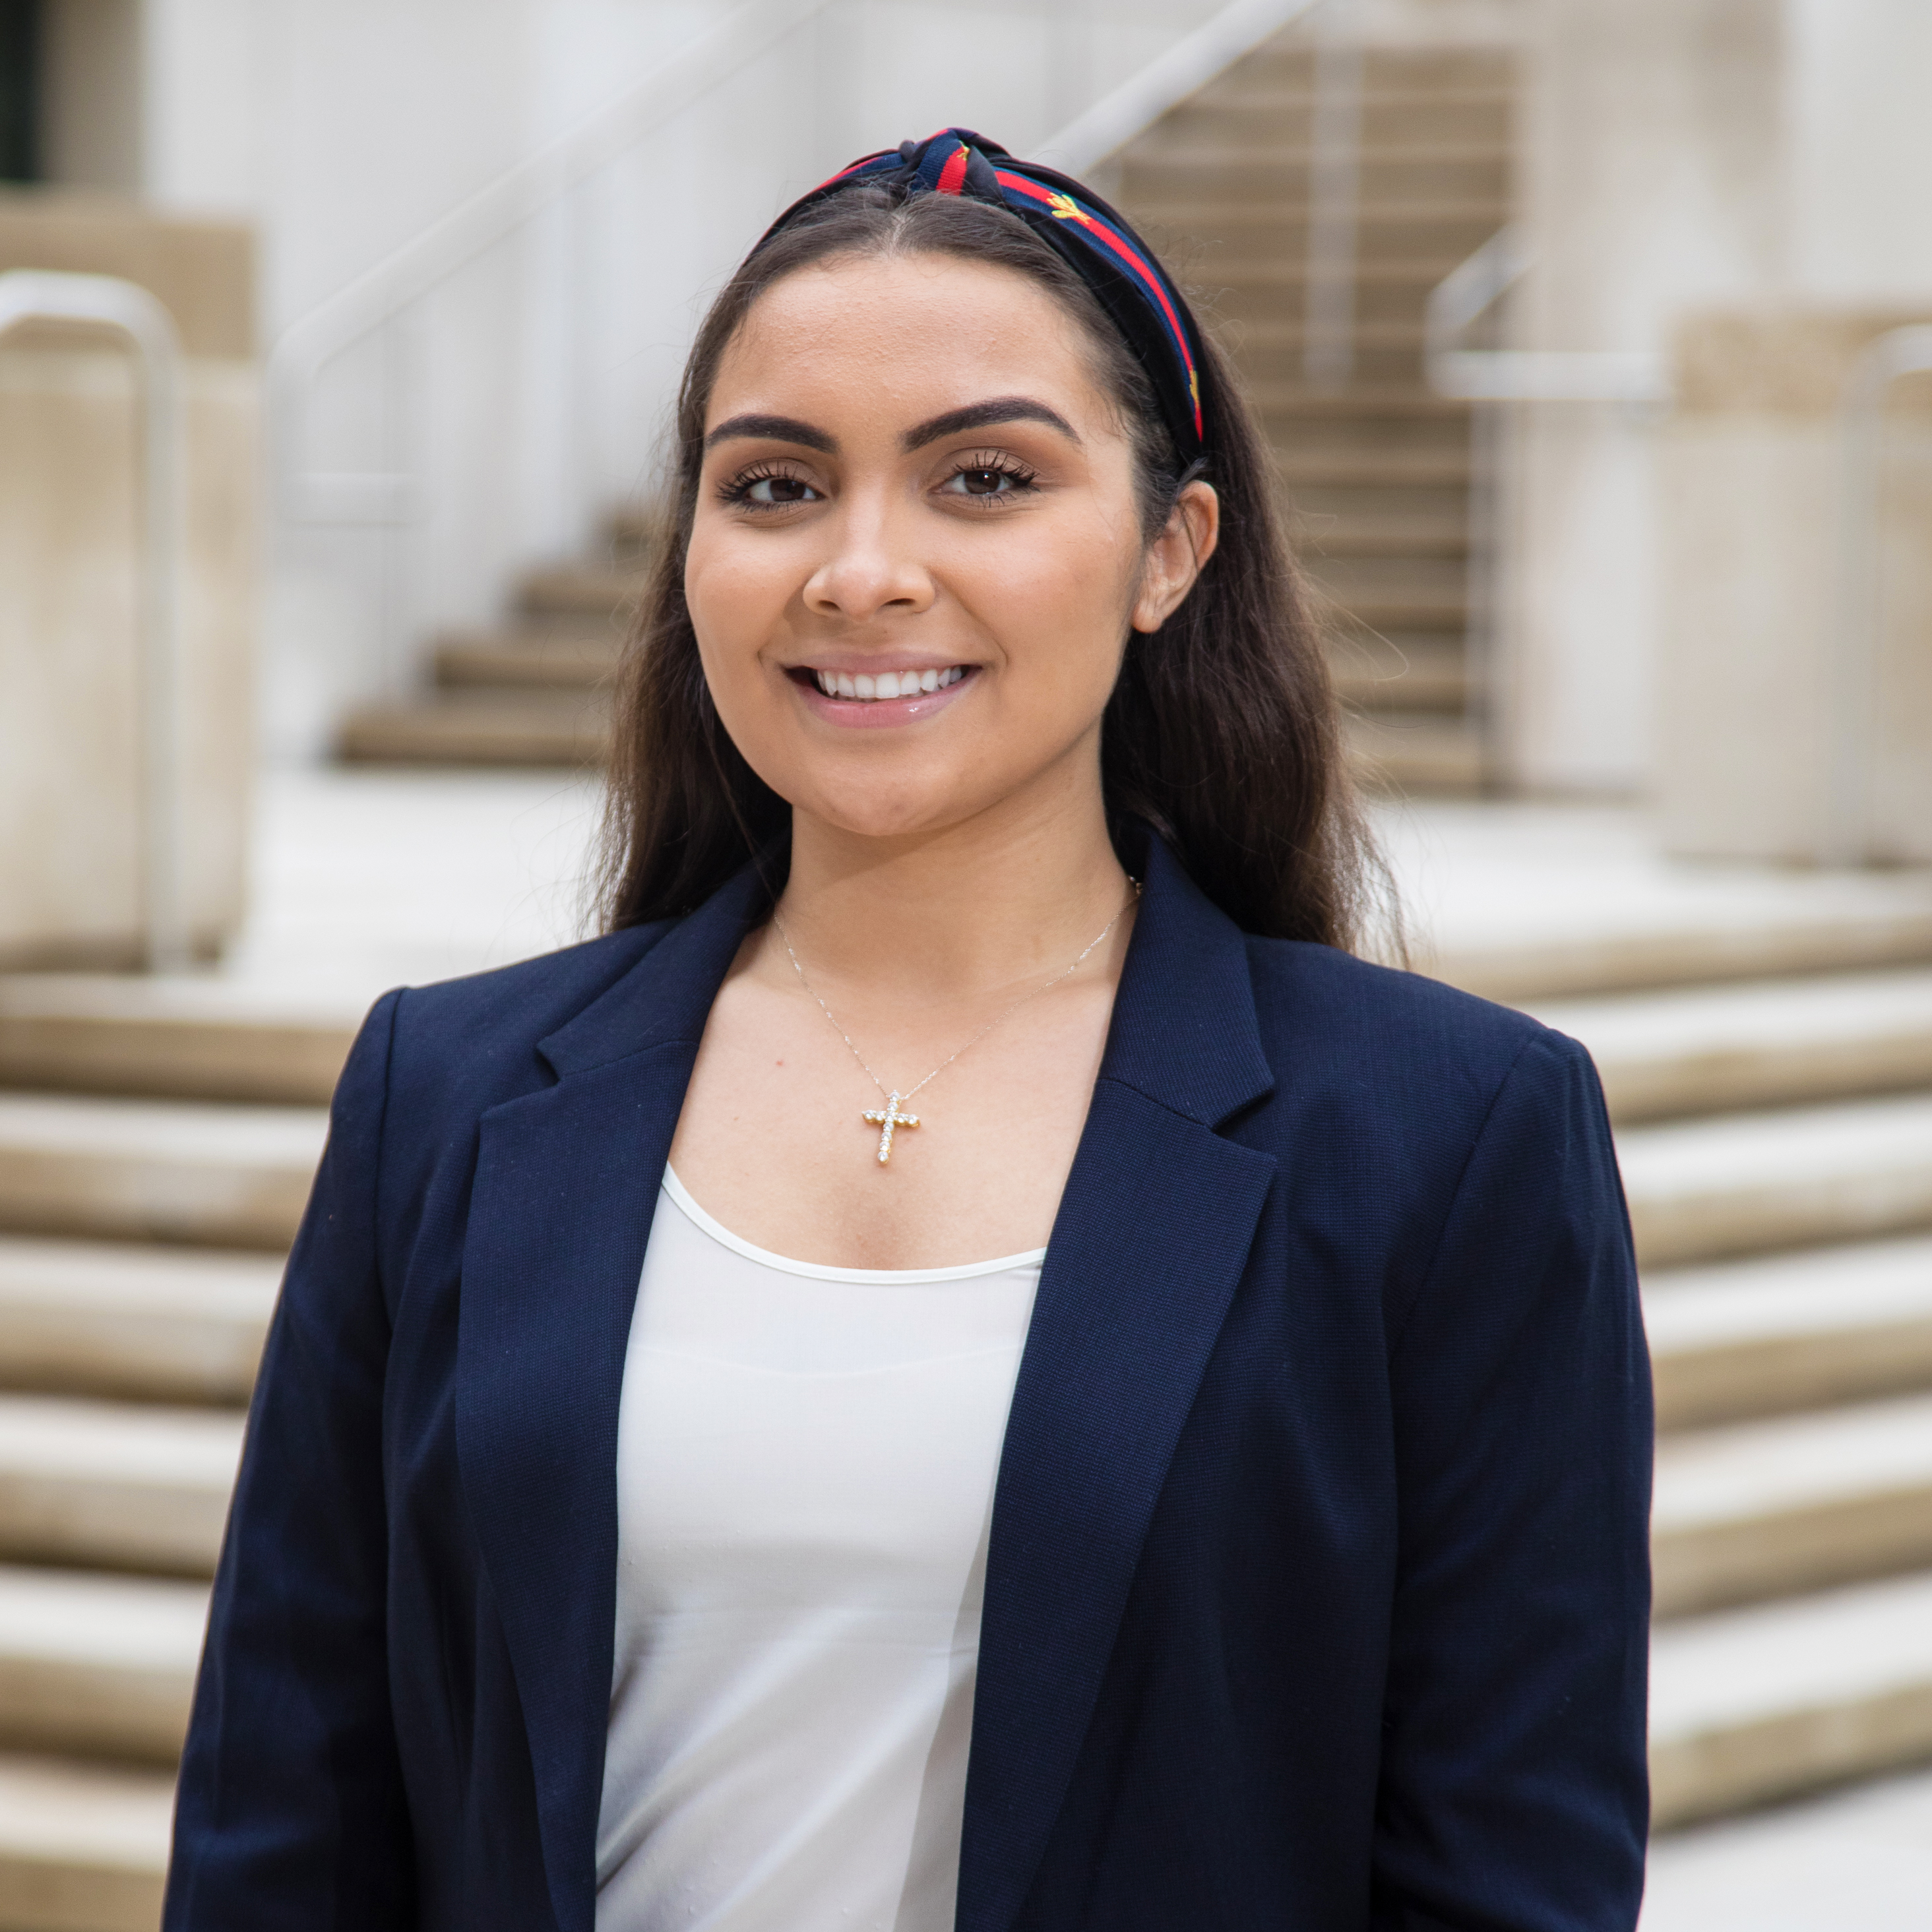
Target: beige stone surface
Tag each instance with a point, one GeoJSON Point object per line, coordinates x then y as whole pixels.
{"type": "Point", "coordinates": [1751, 1705]}
{"type": "Point", "coordinates": [70, 456]}
{"type": "Point", "coordinates": [1762, 653]}
{"type": "Point", "coordinates": [83, 1847]}
{"type": "Point", "coordinates": [69, 762]}
{"type": "Point", "coordinates": [102, 1317]}
{"type": "Point", "coordinates": [203, 272]}
{"type": "Point", "coordinates": [1789, 1332]}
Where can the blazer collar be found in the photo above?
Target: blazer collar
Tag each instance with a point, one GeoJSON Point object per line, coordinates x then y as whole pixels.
{"type": "Point", "coordinates": [1185, 1032]}
{"type": "Point", "coordinates": [667, 996]}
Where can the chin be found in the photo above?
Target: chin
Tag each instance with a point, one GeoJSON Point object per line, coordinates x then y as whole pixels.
{"type": "Point", "coordinates": [877, 807]}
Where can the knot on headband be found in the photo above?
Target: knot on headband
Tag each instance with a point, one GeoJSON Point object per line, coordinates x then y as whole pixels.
{"type": "Point", "coordinates": [1103, 249]}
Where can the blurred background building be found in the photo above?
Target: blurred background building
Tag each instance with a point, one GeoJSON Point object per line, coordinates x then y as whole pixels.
{"type": "Point", "coordinates": [337, 343]}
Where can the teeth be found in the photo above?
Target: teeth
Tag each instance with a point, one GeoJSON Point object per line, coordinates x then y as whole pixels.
{"type": "Point", "coordinates": [870, 687]}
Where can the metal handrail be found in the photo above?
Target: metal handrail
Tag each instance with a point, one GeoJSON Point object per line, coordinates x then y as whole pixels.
{"type": "Point", "coordinates": [1473, 287]}
{"type": "Point", "coordinates": [1186, 67]}
{"type": "Point", "coordinates": [495, 211]}
{"type": "Point", "coordinates": [107, 302]}
{"type": "Point", "coordinates": [1859, 606]}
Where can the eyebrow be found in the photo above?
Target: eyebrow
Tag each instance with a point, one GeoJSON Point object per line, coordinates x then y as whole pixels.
{"type": "Point", "coordinates": [954, 422]}
{"type": "Point", "coordinates": [983, 415]}
{"type": "Point", "coordinates": [773, 429]}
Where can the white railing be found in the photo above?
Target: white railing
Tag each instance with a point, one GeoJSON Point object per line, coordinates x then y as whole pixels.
{"type": "Point", "coordinates": [1857, 614]}
{"type": "Point", "coordinates": [383, 293]}
{"type": "Point", "coordinates": [1473, 288]}
{"type": "Point", "coordinates": [105, 301]}
{"type": "Point", "coordinates": [1187, 67]}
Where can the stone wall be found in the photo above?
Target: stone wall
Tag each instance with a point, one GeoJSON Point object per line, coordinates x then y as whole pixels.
{"type": "Point", "coordinates": [70, 769]}
{"type": "Point", "coordinates": [1765, 662]}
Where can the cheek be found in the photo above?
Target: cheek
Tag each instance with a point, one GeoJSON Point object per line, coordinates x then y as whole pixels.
{"type": "Point", "coordinates": [736, 602]}
{"type": "Point", "coordinates": [1060, 603]}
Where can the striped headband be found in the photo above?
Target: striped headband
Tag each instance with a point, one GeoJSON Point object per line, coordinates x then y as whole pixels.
{"type": "Point", "coordinates": [1103, 250]}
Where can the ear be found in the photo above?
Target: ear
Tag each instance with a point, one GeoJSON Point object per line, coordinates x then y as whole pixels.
{"type": "Point", "coordinates": [1175, 557]}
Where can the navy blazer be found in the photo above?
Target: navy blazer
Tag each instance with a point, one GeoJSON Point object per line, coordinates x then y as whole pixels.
{"type": "Point", "coordinates": [1318, 1582]}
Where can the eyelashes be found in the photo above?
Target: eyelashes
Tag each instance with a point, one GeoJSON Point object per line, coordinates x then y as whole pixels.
{"type": "Point", "coordinates": [981, 477]}
{"type": "Point", "coordinates": [781, 485]}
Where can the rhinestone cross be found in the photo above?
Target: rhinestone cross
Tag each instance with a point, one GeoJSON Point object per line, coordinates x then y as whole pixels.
{"type": "Point", "coordinates": [886, 1119]}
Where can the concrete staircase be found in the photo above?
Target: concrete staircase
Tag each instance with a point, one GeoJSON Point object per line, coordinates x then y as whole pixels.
{"type": "Point", "coordinates": [1776, 1133]}
{"type": "Point", "coordinates": [1376, 472]}
{"type": "Point", "coordinates": [156, 1144]}
{"type": "Point", "coordinates": [533, 692]}
{"type": "Point", "coordinates": [1776, 1142]}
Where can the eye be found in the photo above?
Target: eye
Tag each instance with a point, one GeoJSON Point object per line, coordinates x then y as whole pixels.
{"type": "Point", "coordinates": [777, 490]}
{"type": "Point", "coordinates": [769, 490]}
{"type": "Point", "coordinates": [984, 479]}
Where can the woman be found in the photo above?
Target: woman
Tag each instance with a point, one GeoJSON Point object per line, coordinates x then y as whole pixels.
{"type": "Point", "coordinates": [966, 1363]}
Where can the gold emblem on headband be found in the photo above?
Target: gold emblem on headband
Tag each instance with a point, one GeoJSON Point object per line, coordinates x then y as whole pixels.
{"type": "Point", "coordinates": [1068, 209]}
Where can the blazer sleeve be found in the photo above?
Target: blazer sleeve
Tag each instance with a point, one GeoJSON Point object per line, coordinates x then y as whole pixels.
{"type": "Point", "coordinates": [291, 1811]}
{"type": "Point", "coordinates": [1514, 1794]}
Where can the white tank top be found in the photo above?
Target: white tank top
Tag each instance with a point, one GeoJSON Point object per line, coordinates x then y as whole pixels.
{"type": "Point", "coordinates": [805, 1461]}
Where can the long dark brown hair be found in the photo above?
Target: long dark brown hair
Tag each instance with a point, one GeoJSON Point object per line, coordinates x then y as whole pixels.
{"type": "Point", "coordinates": [1221, 733]}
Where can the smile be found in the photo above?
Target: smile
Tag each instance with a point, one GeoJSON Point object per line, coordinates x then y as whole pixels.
{"type": "Point", "coordinates": [870, 688]}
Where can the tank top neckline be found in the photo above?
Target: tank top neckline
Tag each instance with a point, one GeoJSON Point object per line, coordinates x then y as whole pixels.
{"type": "Point", "coordinates": [815, 1271]}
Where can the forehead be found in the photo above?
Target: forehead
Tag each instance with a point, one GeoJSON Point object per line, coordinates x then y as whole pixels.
{"type": "Point", "coordinates": [927, 332]}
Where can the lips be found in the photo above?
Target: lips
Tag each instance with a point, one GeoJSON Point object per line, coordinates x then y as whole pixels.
{"type": "Point", "coordinates": [872, 687]}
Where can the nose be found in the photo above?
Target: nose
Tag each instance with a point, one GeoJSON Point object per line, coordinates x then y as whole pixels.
{"type": "Point", "coordinates": [872, 566]}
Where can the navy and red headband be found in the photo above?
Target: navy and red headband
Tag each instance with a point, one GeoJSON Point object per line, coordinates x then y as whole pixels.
{"type": "Point", "coordinates": [1103, 250]}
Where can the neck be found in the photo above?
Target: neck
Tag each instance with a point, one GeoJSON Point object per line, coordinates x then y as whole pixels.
{"type": "Point", "coordinates": [1010, 894]}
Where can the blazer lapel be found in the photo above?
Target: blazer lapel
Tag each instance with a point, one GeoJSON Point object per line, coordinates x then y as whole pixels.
{"type": "Point", "coordinates": [1150, 1241]}
{"type": "Point", "coordinates": [565, 1185]}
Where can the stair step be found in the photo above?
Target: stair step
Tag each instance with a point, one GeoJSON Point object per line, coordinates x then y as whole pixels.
{"type": "Point", "coordinates": [1289, 152]}
{"type": "Point", "coordinates": [1318, 537]}
{"type": "Point", "coordinates": [187, 1039]}
{"type": "Point", "coordinates": [1754, 1704]}
{"type": "Point", "coordinates": [1390, 115]}
{"type": "Point", "coordinates": [1781, 1333]}
{"type": "Point", "coordinates": [1746, 1184]}
{"type": "Point", "coordinates": [1420, 674]}
{"type": "Point", "coordinates": [526, 663]}
{"type": "Point", "coordinates": [165, 1324]}
{"type": "Point", "coordinates": [1769, 1509]}
{"type": "Point", "coordinates": [1716, 1048]}
{"type": "Point", "coordinates": [98, 1665]}
{"type": "Point", "coordinates": [83, 1847]}
{"type": "Point", "coordinates": [203, 1172]}
{"type": "Point", "coordinates": [1401, 467]}
{"type": "Point", "coordinates": [581, 589]}
{"type": "Point", "coordinates": [122, 1486]}
{"type": "Point", "coordinates": [1405, 752]}
{"type": "Point", "coordinates": [1750, 942]}
{"type": "Point", "coordinates": [634, 531]}
{"type": "Point", "coordinates": [533, 727]}
{"type": "Point", "coordinates": [1361, 403]}
{"type": "Point", "coordinates": [1389, 226]}
{"type": "Point", "coordinates": [1389, 177]}
{"type": "Point", "coordinates": [1394, 593]}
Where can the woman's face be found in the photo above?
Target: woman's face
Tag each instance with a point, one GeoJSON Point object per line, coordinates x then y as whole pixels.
{"type": "Point", "coordinates": [916, 552]}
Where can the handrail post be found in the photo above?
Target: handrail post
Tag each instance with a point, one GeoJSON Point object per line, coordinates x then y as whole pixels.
{"type": "Point", "coordinates": [1860, 601]}
{"type": "Point", "coordinates": [1334, 192]}
{"type": "Point", "coordinates": [107, 302]}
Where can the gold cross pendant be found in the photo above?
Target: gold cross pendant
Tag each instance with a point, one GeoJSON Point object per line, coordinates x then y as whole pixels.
{"type": "Point", "coordinates": [886, 1120]}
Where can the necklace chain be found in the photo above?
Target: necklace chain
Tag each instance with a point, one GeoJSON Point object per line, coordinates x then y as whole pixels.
{"type": "Point", "coordinates": [893, 1094]}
